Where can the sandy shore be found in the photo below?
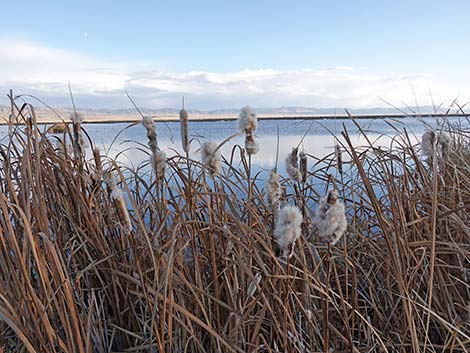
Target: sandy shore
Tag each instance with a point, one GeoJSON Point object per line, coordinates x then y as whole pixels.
{"type": "Point", "coordinates": [47, 117]}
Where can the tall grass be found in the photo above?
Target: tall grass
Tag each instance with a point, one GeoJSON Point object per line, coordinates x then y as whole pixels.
{"type": "Point", "coordinates": [198, 270]}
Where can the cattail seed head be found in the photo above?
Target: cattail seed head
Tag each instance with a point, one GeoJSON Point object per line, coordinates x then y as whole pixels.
{"type": "Point", "coordinates": [339, 158]}
{"type": "Point", "coordinates": [117, 197]}
{"type": "Point", "coordinates": [211, 157]}
{"type": "Point", "coordinates": [292, 165]}
{"type": "Point", "coordinates": [248, 121]}
{"type": "Point", "coordinates": [251, 146]}
{"type": "Point", "coordinates": [149, 125]}
{"type": "Point", "coordinates": [331, 218]}
{"type": "Point", "coordinates": [272, 191]}
{"type": "Point", "coordinates": [303, 166]}
{"type": "Point", "coordinates": [184, 130]}
{"type": "Point", "coordinates": [288, 228]}
{"type": "Point", "coordinates": [427, 143]}
{"type": "Point", "coordinates": [158, 162]}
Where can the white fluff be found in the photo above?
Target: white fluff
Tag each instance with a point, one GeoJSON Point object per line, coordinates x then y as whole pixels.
{"type": "Point", "coordinates": [251, 146]}
{"type": "Point", "coordinates": [427, 143]}
{"type": "Point", "coordinates": [288, 228]}
{"type": "Point", "coordinates": [211, 157]}
{"type": "Point", "coordinates": [147, 122]}
{"type": "Point", "coordinates": [158, 162]}
{"type": "Point", "coordinates": [272, 190]}
{"type": "Point", "coordinates": [248, 121]}
{"type": "Point", "coordinates": [331, 218]}
{"type": "Point", "coordinates": [77, 118]}
{"type": "Point", "coordinates": [292, 166]}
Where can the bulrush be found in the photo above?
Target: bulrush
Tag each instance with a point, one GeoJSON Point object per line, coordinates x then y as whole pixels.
{"type": "Point", "coordinates": [272, 191]}
{"type": "Point", "coordinates": [211, 157]}
{"type": "Point", "coordinates": [158, 162]}
{"type": "Point", "coordinates": [248, 123]}
{"type": "Point", "coordinates": [149, 125]}
{"type": "Point", "coordinates": [292, 165]}
{"type": "Point", "coordinates": [77, 120]}
{"type": "Point", "coordinates": [157, 158]}
{"type": "Point", "coordinates": [117, 197]}
{"type": "Point", "coordinates": [331, 218]}
{"type": "Point", "coordinates": [303, 166]}
{"type": "Point", "coordinates": [430, 141]}
{"type": "Point", "coordinates": [288, 228]}
{"type": "Point", "coordinates": [427, 143]}
{"type": "Point", "coordinates": [339, 158]}
{"type": "Point", "coordinates": [184, 129]}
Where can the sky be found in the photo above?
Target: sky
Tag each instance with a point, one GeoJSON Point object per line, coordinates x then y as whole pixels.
{"type": "Point", "coordinates": [226, 54]}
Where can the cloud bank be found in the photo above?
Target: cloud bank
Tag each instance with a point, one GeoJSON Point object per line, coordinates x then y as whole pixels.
{"type": "Point", "coordinates": [30, 68]}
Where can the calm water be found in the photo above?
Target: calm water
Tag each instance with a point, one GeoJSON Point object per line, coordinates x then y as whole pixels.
{"type": "Point", "coordinates": [319, 140]}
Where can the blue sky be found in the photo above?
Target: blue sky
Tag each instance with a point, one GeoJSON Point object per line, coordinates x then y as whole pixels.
{"type": "Point", "coordinates": [221, 53]}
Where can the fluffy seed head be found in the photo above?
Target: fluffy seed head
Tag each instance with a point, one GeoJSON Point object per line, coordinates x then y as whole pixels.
{"type": "Point", "coordinates": [288, 228]}
{"type": "Point", "coordinates": [331, 218]}
{"type": "Point", "coordinates": [77, 118]}
{"type": "Point", "coordinates": [292, 165]}
{"type": "Point", "coordinates": [248, 121]}
{"type": "Point", "coordinates": [184, 130]}
{"type": "Point", "coordinates": [211, 157]}
{"type": "Point", "coordinates": [251, 146]}
{"type": "Point", "coordinates": [158, 162]}
{"type": "Point", "coordinates": [427, 143]}
{"type": "Point", "coordinates": [148, 123]}
{"type": "Point", "coordinates": [272, 190]}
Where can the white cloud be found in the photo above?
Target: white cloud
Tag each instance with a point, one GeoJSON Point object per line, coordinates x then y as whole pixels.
{"type": "Point", "coordinates": [31, 68]}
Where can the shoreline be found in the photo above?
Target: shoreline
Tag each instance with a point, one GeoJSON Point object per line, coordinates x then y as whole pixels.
{"type": "Point", "coordinates": [208, 118]}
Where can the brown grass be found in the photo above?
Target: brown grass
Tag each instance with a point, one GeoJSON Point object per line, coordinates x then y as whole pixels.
{"type": "Point", "coordinates": [73, 279]}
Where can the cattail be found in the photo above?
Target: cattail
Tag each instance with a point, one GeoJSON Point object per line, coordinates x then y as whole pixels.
{"type": "Point", "coordinates": [77, 120]}
{"type": "Point", "coordinates": [149, 125]}
{"type": "Point", "coordinates": [303, 166]}
{"type": "Point", "coordinates": [248, 123]}
{"type": "Point", "coordinates": [158, 162]}
{"type": "Point", "coordinates": [254, 285]}
{"type": "Point", "coordinates": [427, 143]}
{"type": "Point", "coordinates": [339, 159]}
{"type": "Point", "coordinates": [431, 140]}
{"type": "Point", "coordinates": [444, 141]}
{"type": "Point", "coordinates": [292, 165]}
{"type": "Point", "coordinates": [272, 191]}
{"type": "Point", "coordinates": [331, 218]}
{"type": "Point", "coordinates": [288, 228]}
{"type": "Point", "coordinates": [117, 197]}
{"type": "Point", "coordinates": [211, 157]}
{"type": "Point", "coordinates": [184, 129]}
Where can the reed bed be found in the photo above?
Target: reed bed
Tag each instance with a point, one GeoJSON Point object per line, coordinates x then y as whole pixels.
{"type": "Point", "coordinates": [98, 257]}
